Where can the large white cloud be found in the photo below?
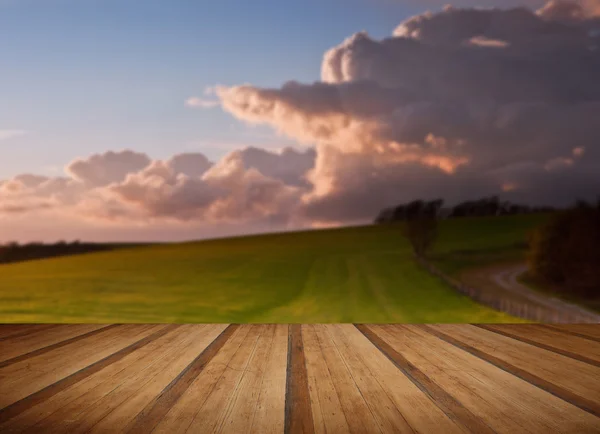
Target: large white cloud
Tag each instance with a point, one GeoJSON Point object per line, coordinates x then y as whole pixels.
{"type": "Point", "coordinates": [443, 106]}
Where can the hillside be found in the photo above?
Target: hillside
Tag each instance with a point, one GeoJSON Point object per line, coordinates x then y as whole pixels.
{"type": "Point", "coordinates": [361, 274]}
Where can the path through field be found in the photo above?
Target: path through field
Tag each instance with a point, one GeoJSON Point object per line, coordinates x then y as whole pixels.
{"type": "Point", "coordinates": [503, 279]}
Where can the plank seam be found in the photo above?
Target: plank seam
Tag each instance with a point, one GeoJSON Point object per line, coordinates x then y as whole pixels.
{"type": "Point", "coordinates": [558, 391]}
{"type": "Point", "coordinates": [442, 399]}
{"type": "Point", "coordinates": [54, 346]}
{"type": "Point", "coordinates": [298, 411]}
{"type": "Point", "coordinates": [546, 347]}
{"type": "Point", "coordinates": [156, 409]}
{"type": "Point", "coordinates": [49, 391]}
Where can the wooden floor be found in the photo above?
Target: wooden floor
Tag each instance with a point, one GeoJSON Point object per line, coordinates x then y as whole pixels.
{"type": "Point", "coordinates": [300, 378]}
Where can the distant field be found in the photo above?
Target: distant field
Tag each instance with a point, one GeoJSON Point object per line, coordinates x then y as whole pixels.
{"type": "Point", "coordinates": [476, 242]}
{"type": "Point", "coordinates": [363, 274]}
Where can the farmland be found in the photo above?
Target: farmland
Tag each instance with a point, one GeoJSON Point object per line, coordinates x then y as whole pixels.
{"type": "Point", "coordinates": [358, 274]}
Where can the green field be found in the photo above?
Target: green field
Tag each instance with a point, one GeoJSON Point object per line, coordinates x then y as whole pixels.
{"type": "Point", "coordinates": [362, 274]}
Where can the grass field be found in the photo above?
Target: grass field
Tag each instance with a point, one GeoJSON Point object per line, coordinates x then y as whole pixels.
{"type": "Point", "coordinates": [478, 242]}
{"type": "Point", "coordinates": [363, 274]}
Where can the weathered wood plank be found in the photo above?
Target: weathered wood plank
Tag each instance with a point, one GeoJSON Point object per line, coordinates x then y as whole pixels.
{"type": "Point", "coordinates": [419, 410]}
{"type": "Point", "coordinates": [155, 410]}
{"type": "Point", "coordinates": [570, 346]}
{"type": "Point", "coordinates": [568, 378]}
{"type": "Point", "coordinates": [390, 346]}
{"type": "Point", "coordinates": [183, 412]}
{"type": "Point", "coordinates": [213, 412]}
{"type": "Point", "coordinates": [25, 395]}
{"type": "Point", "coordinates": [32, 345]}
{"type": "Point", "coordinates": [506, 403]}
{"type": "Point", "coordinates": [269, 416]}
{"type": "Point", "coordinates": [328, 416]}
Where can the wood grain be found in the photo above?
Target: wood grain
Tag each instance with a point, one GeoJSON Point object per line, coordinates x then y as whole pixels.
{"type": "Point", "coordinates": [150, 416]}
{"type": "Point", "coordinates": [278, 378]}
{"type": "Point", "coordinates": [533, 334]}
{"type": "Point", "coordinates": [584, 403]}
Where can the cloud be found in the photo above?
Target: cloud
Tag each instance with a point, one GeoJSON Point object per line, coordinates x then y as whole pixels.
{"type": "Point", "coordinates": [103, 169]}
{"type": "Point", "coordinates": [248, 186]}
{"type": "Point", "coordinates": [196, 102]}
{"type": "Point", "coordinates": [441, 108]}
{"type": "Point", "coordinates": [570, 10]}
{"type": "Point", "coordinates": [10, 134]}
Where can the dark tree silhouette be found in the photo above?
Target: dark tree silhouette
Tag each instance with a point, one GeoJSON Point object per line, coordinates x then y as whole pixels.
{"type": "Point", "coordinates": [566, 251]}
{"type": "Point", "coordinates": [421, 233]}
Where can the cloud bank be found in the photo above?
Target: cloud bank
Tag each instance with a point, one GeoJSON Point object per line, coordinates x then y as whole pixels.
{"type": "Point", "coordinates": [456, 104]}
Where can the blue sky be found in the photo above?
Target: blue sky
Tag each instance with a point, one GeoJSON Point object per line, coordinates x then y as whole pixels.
{"type": "Point", "coordinates": [86, 76]}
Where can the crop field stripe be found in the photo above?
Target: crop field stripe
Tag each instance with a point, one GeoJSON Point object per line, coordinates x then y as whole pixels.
{"type": "Point", "coordinates": [55, 346]}
{"type": "Point", "coordinates": [155, 411]}
{"type": "Point", "coordinates": [26, 403]}
{"type": "Point", "coordinates": [298, 412]}
{"type": "Point", "coordinates": [571, 332]}
{"type": "Point", "coordinates": [585, 404]}
{"type": "Point", "coordinates": [505, 331]}
{"type": "Point", "coordinates": [448, 404]}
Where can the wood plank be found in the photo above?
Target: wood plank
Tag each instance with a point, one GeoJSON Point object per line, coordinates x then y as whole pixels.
{"type": "Point", "coordinates": [328, 416]}
{"type": "Point", "coordinates": [42, 342]}
{"type": "Point", "coordinates": [269, 417]}
{"type": "Point", "coordinates": [389, 418]}
{"type": "Point", "coordinates": [9, 329]}
{"type": "Point", "coordinates": [569, 379]}
{"type": "Point", "coordinates": [96, 404]}
{"type": "Point", "coordinates": [17, 331]}
{"type": "Point", "coordinates": [447, 403]}
{"type": "Point", "coordinates": [589, 330]}
{"type": "Point", "coordinates": [213, 412]}
{"type": "Point", "coordinates": [155, 410]}
{"type": "Point", "coordinates": [130, 398]}
{"type": "Point", "coordinates": [506, 403]}
{"type": "Point", "coordinates": [244, 400]}
{"type": "Point", "coordinates": [359, 416]}
{"type": "Point", "coordinates": [416, 407]}
{"type": "Point", "coordinates": [182, 413]}
{"type": "Point", "coordinates": [573, 330]}
{"type": "Point", "coordinates": [73, 400]}
{"type": "Point", "coordinates": [58, 363]}
{"type": "Point", "coordinates": [298, 416]}
{"type": "Point", "coordinates": [25, 395]}
{"type": "Point", "coordinates": [569, 346]}
{"type": "Point", "coordinates": [516, 399]}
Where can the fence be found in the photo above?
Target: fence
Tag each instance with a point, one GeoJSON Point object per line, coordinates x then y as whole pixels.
{"type": "Point", "coordinates": [529, 311]}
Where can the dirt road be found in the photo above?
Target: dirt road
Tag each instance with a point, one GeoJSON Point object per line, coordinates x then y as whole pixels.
{"type": "Point", "coordinates": [504, 278]}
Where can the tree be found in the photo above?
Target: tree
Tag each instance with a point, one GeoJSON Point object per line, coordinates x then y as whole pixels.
{"type": "Point", "coordinates": [566, 251]}
{"type": "Point", "coordinates": [421, 233]}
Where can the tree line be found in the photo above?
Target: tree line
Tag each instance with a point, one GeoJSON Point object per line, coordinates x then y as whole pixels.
{"type": "Point", "coordinates": [487, 206]}
{"type": "Point", "coordinates": [15, 252]}
{"type": "Point", "coordinates": [563, 253]}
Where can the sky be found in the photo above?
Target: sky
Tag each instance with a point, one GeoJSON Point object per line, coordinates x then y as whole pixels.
{"type": "Point", "coordinates": [181, 119]}
{"type": "Point", "coordinates": [85, 76]}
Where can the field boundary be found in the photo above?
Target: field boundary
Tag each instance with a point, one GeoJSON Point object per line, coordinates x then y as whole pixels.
{"type": "Point", "coordinates": [526, 310]}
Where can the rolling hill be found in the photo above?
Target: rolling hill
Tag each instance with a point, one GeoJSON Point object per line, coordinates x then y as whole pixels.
{"type": "Point", "coordinates": [358, 274]}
